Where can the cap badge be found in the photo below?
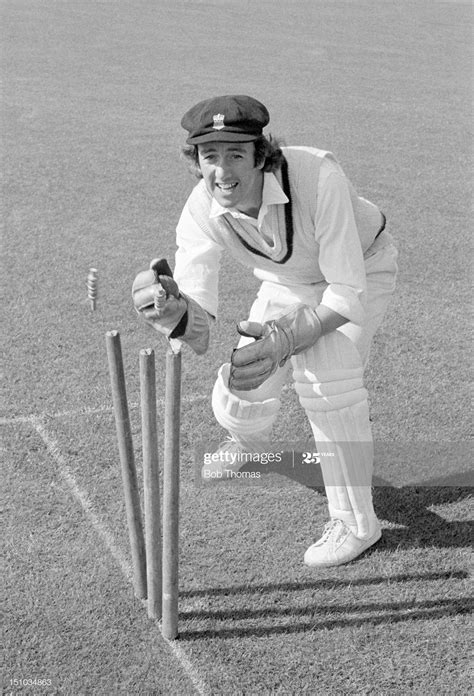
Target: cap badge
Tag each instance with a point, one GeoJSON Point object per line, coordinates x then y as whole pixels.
{"type": "Point", "coordinates": [218, 121]}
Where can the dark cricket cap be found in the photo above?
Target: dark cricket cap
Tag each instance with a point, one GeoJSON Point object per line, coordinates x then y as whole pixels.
{"type": "Point", "coordinates": [231, 118]}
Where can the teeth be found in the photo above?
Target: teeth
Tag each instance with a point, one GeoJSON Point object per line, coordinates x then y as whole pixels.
{"type": "Point", "coordinates": [226, 187]}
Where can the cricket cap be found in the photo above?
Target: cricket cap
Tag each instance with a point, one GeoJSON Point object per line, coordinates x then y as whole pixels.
{"type": "Point", "coordinates": [231, 118]}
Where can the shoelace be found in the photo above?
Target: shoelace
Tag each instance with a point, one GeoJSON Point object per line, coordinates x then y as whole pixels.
{"type": "Point", "coordinates": [329, 528]}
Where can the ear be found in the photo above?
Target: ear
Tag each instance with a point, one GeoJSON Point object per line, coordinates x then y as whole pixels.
{"type": "Point", "coordinates": [195, 169]}
{"type": "Point", "coordinates": [259, 163]}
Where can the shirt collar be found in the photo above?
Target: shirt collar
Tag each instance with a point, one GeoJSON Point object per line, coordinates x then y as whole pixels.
{"type": "Point", "coordinates": [272, 194]}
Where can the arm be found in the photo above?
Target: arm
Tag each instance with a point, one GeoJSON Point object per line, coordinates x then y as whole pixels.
{"type": "Point", "coordinates": [197, 263]}
{"type": "Point", "coordinates": [340, 253]}
{"type": "Point", "coordinates": [329, 319]}
{"type": "Point", "coordinates": [181, 307]}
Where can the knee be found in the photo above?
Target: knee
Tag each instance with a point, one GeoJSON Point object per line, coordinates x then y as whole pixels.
{"type": "Point", "coordinates": [330, 375]}
{"type": "Point", "coordinates": [236, 413]}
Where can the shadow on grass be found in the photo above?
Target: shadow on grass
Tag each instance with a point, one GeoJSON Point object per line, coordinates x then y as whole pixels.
{"type": "Point", "coordinates": [422, 527]}
{"type": "Point", "coordinates": [389, 613]}
{"type": "Point", "coordinates": [407, 506]}
{"type": "Point", "coordinates": [319, 616]}
{"type": "Point", "coordinates": [459, 605]}
{"type": "Point", "coordinates": [323, 584]}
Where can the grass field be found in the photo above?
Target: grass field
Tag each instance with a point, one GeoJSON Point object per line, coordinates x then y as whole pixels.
{"type": "Point", "coordinates": [92, 99]}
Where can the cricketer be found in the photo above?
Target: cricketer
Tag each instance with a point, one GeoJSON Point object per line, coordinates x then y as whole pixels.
{"type": "Point", "coordinates": [327, 266]}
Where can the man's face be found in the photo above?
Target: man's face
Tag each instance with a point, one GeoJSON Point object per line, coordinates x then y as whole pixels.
{"type": "Point", "coordinates": [231, 176]}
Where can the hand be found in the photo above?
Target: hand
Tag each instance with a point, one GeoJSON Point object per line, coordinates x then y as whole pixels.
{"type": "Point", "coordinates": [276, 341]}
{"type": "Point", "coordinates": [159, 303]}
{"type": "Point", "coordinates": [252, 364]}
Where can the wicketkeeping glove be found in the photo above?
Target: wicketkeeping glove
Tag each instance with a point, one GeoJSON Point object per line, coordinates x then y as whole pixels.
{"type": "Point", "coordinates": [158, 300]}
{"type": "Point", "coordinates": [276, 341]}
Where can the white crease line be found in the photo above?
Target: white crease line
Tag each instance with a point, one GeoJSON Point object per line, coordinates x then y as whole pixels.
{"type": "Point", "coordinates": [80, 495]}
{"type": "Point", "coordinates": [101, 529]}
{"type": "Point", "coordinates": [91, 411]}
{"type": "Point", "coordinates": [104, 409]}
{"type": "Point", "coordinates": [17, 419]}
{"type": "Point", "coordinates": [179, 652]}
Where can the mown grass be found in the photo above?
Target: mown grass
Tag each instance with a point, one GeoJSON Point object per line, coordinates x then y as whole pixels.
{"type": "Point", "coordinates": [250, 613]}
{"type": "Point", "coordinates": [94, 93]}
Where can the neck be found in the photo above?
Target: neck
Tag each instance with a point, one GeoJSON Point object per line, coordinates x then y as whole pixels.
{"type": "Point", "coordinates": [252, 206]}
{"type": "Point", "coordinates": [251, 212]}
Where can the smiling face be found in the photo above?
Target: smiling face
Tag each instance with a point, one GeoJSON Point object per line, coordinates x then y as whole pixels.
{"type": "Point", "coordinates": [231, 176]}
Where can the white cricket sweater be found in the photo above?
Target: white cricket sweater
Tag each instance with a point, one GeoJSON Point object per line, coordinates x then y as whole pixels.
{"type": "Point", "coordinates": [332, 228]}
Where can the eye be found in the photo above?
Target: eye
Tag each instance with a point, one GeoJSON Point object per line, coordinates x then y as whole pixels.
{"type": "Point", "coordinates": [207, 157]}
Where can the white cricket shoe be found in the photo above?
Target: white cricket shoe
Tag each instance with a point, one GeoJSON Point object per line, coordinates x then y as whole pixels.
{"type": "Point", "coordinates": [225, 463]}
{"type": "Point", "coordinates": [338, 545]}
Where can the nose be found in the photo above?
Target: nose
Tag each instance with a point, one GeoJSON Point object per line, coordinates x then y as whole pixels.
{"type": "Point", "coordinates": [222, 169]}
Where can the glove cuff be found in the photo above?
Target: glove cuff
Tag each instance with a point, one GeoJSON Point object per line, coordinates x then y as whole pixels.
{"type": "Point", "coordinates": [193, 327]}
{"type": "Point", "coordinates": [301, 327]}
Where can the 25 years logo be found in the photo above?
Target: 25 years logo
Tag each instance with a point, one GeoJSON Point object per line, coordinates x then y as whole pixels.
{"type": "Point", "coordinates": [310, 457]}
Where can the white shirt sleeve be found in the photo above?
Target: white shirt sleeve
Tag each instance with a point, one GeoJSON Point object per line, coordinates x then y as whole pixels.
{"type": "Point", "coordinates": [197, 263]}
{"type": "Point", "coordinates": [340, 254]}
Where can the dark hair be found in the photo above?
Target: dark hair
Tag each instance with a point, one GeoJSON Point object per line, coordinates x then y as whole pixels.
{"type": "Point", "coordinates": [267, 148]}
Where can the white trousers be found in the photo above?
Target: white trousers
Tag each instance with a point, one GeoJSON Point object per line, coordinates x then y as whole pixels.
{"type": "Point", "coordinates": [328, 378]}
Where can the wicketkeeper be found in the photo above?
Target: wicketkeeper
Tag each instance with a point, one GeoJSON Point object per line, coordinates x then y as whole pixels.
{"type": "Point", "coordinates": [328, 269]}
